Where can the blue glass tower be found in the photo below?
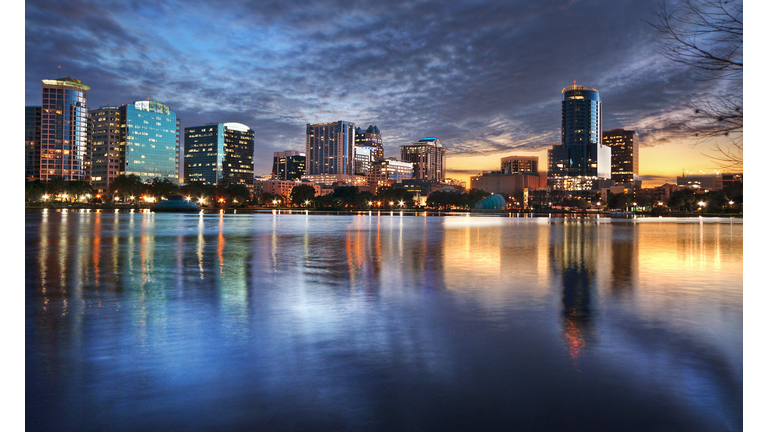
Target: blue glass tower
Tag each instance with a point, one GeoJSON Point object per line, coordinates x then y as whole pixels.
{"type": "Point", "coordinates": [63, 146]}
{"type": "Point", "coordinates": [581, 152]}
{"type": "Point", "coordinates": [151, 141]}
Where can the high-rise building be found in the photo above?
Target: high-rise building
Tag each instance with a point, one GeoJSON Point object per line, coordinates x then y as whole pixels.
{"type": "Point", "coordinates": [64, 148]}
{"type": "Point", "coordinates": [581, 158]}
{"type": "Point", "coordinates": [428, 158]}
{"type": "Point", "coordinates": [370, 137]}
{"type": "Point", "coordinates": [219, 152]}
{"type": "Point", "coordinates": [108, 146]}
{"type": "Point", "coordinates": [151, 141]}
{"type": "Point", "coordinates": [330, 148]}
{"type": "Point", "coordinates": [288, 165]}
{"type": "Point", "coordinates": [363, 159]}
{"type": "Point", "coordinates": [141, 138]}
{"type": "Point", "coordinates": [519, 164]}
{"type": "Point", "coordinates": [32, 137]}
{"type": "Point", "coordinates": [625, 155]}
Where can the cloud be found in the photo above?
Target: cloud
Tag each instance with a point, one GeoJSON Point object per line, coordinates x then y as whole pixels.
{"type": "Point", "coordinates": [482, 76]}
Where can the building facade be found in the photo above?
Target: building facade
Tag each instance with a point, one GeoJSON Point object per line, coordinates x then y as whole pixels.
{"type": "Point", "coordinates": [625, 155]}
{"type": "Point", "coordinates": [510, 185]}
{"type": "Point", "coordinates": [363, 159]}
{"type": "Point", "coordinates": [385, 172]}
{"type": "Point", "coordinates": [330, 148]}
{"type": "Point", "coordinates": [64, 145]}
{"type": "Point", "coordinates": [428, 158]}
{"type": "Point", "coordinates": [288, 165]}
{"type": "Point", "coordinates": [712, 182]}
{"type": "Point", "coordinates": [581, 153]}
{"type": "Point", "coordinates": [151, 141]}
{"type": "Point", "coordinates": [219, 152]}
{"type": "Point", "coordinates": [370, 137]}
{"type": "Point", "coordinates": [108, 146]}
{"type": "Point", "coordinates": [519, 164]}
{"type": "Point", "coordinates": [32, 140]}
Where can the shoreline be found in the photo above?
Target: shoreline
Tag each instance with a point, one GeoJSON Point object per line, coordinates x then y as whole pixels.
{"type": "Point", "coordinates": [419, 212]}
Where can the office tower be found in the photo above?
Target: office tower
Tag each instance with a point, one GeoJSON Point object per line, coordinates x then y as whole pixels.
{"type": "Point", "coordinates": [581, 153]}
{"type": "Point", "coordinates": [385, 172]}
{"type": "Point", "coordinates": [288, 165]}
{"type": "Point", "coordinates": [151, 141]}
{"type": "Point", "coordinates": [64, 148]}
{"type": "Point", "coordinates": [428, 158]}
{"type": "Point", "coordinates": [108, 146]}
{"type": "Point", "coordinates": [370, 137]}
{"type": "Point", "coordinates": [363, 159]}
{"type": "Point", "coordinates": [330, 148]}
{"type": "Point", "coordinates": [219, 152]}
{"type": "Point", "coordinates": [141, 138]}
{"type": "Point", "coordinates": [625, 155]}
{"type": "Point", "coordinates": [32, 137]}
{"type": "Point", "coordinates": [520, 164]}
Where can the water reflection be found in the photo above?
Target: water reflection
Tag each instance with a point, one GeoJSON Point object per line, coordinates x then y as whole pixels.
{"type": "Point", "coordinates": [575, 253]}
{"type": "Point", "coordinates": [297, 321]}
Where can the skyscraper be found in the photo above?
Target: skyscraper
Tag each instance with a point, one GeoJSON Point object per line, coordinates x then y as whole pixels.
{"type": "Point", "coordinates": [370, 137]}
{"type": "Point", "coordinates": [64, 148]}
{"type": "Point", "coordinates": [625, 155]}
{"type": "Point", "coordinates": [151, 141]}
{"type": "Point", "coordinates": [108, 146]}
{"type": "Point", "coordinates": [581, 153]}
{"type": "Point", "coordinates": [428, 158]}
{"type": "Point", "coordinates": [330, 148]}
{"type": "Point", "coordinates": [32, 137]}
{"type": "Point", "coordinates": [219, 151]}
{"type": "Point", "coordinates": [288, 165]}
{"type": "Point", "coordinates": [141, 138]}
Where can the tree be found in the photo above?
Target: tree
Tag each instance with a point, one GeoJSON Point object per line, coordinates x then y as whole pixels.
{"type": "Point", "coordinates": [126, 186]}
{"type": "Point", "coordinates": [707, 36]}
{"type": "Point", "coordinates": [162, 188]}
{"type": "Point", "coordinates": [345, 195]}
{"type": "Point", "coordinates": [388, 194]}
{"type": "Point", "coordinates": [620, 201]}
{"type": "Point", "coordinates": [301, 194]}
{"type": "Point", "coordinates": [239, 192]}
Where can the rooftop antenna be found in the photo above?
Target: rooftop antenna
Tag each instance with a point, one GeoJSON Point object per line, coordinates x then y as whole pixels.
{"type": "Point", "coordinates": [59, 72]}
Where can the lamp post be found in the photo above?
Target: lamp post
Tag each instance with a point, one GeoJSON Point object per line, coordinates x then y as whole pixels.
{"type": "Point", "coordinates": [702, 204]}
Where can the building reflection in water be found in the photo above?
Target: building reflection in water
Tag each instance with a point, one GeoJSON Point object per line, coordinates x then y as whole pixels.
{"type": "Point", "coordinates": [575, 253]}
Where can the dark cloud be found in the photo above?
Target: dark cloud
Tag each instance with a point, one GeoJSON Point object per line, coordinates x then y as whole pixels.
{"type": "Point", "coordinates": [482, 76]}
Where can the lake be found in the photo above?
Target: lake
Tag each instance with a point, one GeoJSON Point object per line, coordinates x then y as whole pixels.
{"type": "Point", "coordinates": [290, 322]}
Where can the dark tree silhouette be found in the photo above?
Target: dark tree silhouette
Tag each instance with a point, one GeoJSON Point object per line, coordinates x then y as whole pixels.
{"type": "Point", "coordinates": [707, 36]}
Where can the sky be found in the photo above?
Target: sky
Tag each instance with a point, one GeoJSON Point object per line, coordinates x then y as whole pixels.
{"type": "Point", "coordinates": [485, 77]}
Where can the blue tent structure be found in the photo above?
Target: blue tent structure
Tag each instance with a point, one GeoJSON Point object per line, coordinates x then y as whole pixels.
{"type": "Point", "coordinates": [492, 202]}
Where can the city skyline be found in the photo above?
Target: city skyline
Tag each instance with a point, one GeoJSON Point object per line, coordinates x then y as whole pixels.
{"type": "Point", "coordinates": [483, 78]}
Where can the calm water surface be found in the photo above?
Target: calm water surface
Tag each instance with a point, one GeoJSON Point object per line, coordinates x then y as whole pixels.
{"type": "Point", "coordinates": [142, 321]}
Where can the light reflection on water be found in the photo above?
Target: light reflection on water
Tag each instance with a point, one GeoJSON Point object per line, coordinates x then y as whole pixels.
{"type": "Point", "coordinates": [378, 321]}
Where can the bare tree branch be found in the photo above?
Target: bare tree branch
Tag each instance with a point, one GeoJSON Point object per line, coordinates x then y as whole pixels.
{"type": "Point", "coordinates": [707, 36]}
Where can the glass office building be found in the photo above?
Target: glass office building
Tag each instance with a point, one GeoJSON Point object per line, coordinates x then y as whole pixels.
{"type": "Point", "coordinates": [63, 148]}
{"type": "Point", "coordinates": [625, 155]}
{"type": "Point", "coordinates": [370, 137]}
{"type": "Point", "coordinates": [32, 137]}
{"type": "Point", "coordinates": [581, 153]}
{"type": "Point", "coordinates": [288, 165]}
{"type": "Point", "coordinates": [219, 152]}
{"type": "Point", "coordinates": [151, 141]}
